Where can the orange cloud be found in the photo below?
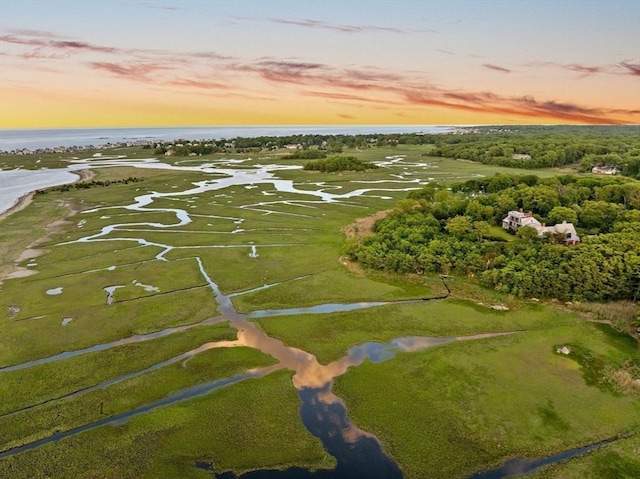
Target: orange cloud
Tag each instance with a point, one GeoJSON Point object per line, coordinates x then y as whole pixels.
{"type": "Point", "coordinates": [243, 87]}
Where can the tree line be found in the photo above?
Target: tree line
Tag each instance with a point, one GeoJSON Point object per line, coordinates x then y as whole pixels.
{"type": "Point", "coordinates": [528, 147]}
{"type": "Point", "coordinates": [83, 185]}
{"type": "Point", "coordinates": [457, 231]}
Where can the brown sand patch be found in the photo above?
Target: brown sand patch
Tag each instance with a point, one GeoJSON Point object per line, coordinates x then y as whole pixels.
{"type": "Point", "coordinates": [360, 228]}
{"type": "Point", "coordinates": [85, 175]}
{"type": "Point", "coordinates": [352, 266]}
{"type": "Point", "coordinates": [31, 252]}
{"type": "Point", "coordinates": [363, 227]}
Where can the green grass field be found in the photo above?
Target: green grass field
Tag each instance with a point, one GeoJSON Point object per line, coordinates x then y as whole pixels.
{"type": "Point", "coordinates": [447, 411]}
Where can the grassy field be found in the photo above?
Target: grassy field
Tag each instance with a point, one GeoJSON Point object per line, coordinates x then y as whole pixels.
{"type": "Point", "coordinates": [447, 411]}
{"type": "Point", "coordinates": [475, 405]}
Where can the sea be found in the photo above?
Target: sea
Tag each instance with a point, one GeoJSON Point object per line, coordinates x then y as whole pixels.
{"type": "Point", "coordinates": [34, 139]}
{"type": "Point", "coordinates": [17, 183]}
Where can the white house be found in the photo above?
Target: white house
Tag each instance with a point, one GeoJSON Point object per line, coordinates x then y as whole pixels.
{"type": "Point", "coordinates": [518, 219]}
{"type": "Point", "coordinates": [565, 230]}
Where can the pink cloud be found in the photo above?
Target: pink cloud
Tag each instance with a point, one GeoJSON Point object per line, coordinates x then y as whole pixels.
{"type": "Point", "coordinates": [132, 71]}
{"type": "Point", "coordinates": [631, 68]}
{"type": "Point", "coordinates": [364, 85]}
{"type": "Point", "coordinates": [522, 106]}
{"type": "Point", "coordinates": [348, 97]}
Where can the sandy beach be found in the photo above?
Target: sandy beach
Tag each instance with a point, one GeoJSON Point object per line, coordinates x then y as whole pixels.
{"type": "Point", "coordinates": [23, 202]}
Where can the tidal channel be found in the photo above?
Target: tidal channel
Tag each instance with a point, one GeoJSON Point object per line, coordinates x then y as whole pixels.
{"type": "Point", "coordinates": [357, 452]}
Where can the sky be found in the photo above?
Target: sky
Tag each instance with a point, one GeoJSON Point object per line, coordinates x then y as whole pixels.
{"type": "Point", "coordinates": [94, 63]}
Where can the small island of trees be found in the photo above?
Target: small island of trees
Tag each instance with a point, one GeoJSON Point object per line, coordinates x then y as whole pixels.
{"type": "Point", "coordinates": [339, 163]}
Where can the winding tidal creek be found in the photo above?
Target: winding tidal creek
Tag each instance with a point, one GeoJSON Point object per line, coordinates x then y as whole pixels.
{"type": "Point", "coordinates": [357, 453]}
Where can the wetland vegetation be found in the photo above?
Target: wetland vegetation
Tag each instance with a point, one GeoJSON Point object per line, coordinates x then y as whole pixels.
{"type": "Point", "coordinates": [248, 292]}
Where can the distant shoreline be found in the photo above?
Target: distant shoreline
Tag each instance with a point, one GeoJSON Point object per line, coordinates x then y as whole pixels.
{"type": "Point", "coordinates": [15, 141]}
{"type": "Point", "coordinates": [25, 200]}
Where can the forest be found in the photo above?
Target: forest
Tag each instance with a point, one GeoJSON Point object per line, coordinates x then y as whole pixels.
{"type": "Point", "coordinates": [457, 231]}
{"type": "Point", "coordinates": [616, 146]}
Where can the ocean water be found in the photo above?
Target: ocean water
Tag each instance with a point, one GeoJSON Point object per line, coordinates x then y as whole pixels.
{"type": "Point", "coordinates": [17, 183]}
{"type": "Point", "coordinates": [33, 139]}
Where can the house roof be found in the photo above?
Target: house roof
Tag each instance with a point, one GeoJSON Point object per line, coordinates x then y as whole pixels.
{"type": "Point", "coordinates": [560, 228]}
{"type": "Point", "coordinates": [530, 221]}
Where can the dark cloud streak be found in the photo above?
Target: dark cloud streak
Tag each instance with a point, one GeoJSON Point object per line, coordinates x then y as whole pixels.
{"type": "Point", "coordinates": [496, 68]}
{"type": "Point", "coordinates": [345, 28]}
{"type": "Point", "coordinates": [631, 68]}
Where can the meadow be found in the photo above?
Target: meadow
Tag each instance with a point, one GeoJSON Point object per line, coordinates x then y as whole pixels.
{"type": "Point", "coordinates": [164, 376]}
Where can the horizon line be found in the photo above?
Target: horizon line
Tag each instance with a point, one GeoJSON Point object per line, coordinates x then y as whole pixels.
{"type": "Point", "coordinates": [319, 125]}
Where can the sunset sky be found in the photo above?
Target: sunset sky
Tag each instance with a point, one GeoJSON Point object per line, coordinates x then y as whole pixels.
{"type": "Point", "coordinates": [97, 63]}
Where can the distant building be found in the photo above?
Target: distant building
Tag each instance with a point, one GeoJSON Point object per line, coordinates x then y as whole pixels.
{"type": "Point", "coordinates": [518, 219]}
{"type": "Point", "coordinates": [605, 170]}
{"type": "Point", "coordinates": [520, 156]}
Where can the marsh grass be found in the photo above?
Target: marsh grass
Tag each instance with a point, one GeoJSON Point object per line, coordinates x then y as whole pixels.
{"type": "Point", "coordinates": [493, 399]}
{"type": "Point", "coordinates": [93, 324]}
{"type": "Point", "coordinates": [253, 424]}
{"type": "Point", "coordinates": [52, 380]}
{"type": "Point", "coordinates": [330, 336]}
{"type": "Point", "coordinates": [450, 410]}
{"type": "Point", "coordinates": [619, 459]}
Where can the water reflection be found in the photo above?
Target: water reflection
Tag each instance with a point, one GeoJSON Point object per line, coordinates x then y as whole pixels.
{"type": "Point", "coordinates": [321, 411]}
{"type": "Point", "coordinates": [357, 453]}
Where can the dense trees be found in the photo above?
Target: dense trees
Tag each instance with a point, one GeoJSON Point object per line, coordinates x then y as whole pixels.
{"type": "Point", "coordinates": [339, 163]}
{"type": "Point", "coordinates": [442, 231]}
{"type": "Point", "coordinates": [543, 147]}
